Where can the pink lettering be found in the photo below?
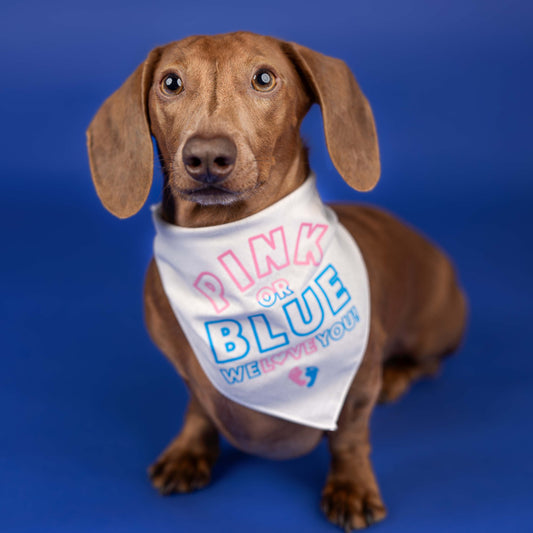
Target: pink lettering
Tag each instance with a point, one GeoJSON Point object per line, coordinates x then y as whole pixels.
{"type": "Point", "coordinates": [308, 249]}
{"type": "Point", "coordinates": [236, 270]}
{"type": "Point", "coordinates": [278, 358]}
{"type": "Point", "coordinates": [310, 346]}
{"type": "Point", "coordinates": [211, 287]}
{"type": "Point", "coordinates": [268, 252]}
{"type": "Point", "coordinates": [296, 352]}
{"type": "Point", "coordinates": [266, 365]}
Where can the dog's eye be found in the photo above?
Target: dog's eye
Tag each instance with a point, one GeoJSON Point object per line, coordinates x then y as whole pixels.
{"type": "Point", "coordinates": [172, 84]}
{"type": "Point", "coordinates": [263, 80]}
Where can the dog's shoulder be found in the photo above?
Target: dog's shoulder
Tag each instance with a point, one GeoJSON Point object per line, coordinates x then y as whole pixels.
{"type": "Point", "coordinates": [370, 224]}
{"type": "Point", "coordinates": [385, 238]}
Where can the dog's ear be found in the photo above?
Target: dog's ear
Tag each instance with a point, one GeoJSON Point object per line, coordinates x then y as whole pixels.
{"type": "Point", "coordinates": [348, 121]}
{"type": "Point", "coordinates": [120, 144]}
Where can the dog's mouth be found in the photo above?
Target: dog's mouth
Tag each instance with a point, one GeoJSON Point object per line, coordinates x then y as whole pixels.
{"type": "Point", "coordinates": [211, 195]}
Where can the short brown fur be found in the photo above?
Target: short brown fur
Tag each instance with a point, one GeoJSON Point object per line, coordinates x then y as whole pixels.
{"type": "Point", "coordinates": [418, 309]}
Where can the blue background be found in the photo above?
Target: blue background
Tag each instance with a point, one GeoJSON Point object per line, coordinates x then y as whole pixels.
{"type": "Point", "coordinates": [87, 402]}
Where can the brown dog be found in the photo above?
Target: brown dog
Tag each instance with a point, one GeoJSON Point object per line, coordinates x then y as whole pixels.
{"type": "Point", "coordinates": [226, 111]}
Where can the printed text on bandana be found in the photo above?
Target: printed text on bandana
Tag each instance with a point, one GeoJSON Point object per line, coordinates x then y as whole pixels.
{"type": "Point", "coordinates": [307, 320]}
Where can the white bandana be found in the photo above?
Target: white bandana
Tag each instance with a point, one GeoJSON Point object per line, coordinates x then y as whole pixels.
{"type": "Point", "coordinates": [275, 306]}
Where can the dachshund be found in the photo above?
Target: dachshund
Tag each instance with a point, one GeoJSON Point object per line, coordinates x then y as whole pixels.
{"type": "Point", "coordinates": [225, 112]}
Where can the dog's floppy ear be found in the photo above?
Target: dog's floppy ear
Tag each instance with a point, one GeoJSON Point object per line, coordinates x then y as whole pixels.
{"type": "Point", "coordinates": [348, 121]}
{"type": "Point", "coordinates": [120, 144]}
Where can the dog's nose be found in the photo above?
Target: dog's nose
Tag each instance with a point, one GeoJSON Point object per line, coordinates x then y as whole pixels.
{"type": "Point", "coordinates": [210, 160]}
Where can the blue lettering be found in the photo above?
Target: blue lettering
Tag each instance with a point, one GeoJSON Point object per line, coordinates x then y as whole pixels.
{"type": "Point", "coordinates": [304, 324]}
{"type": "Point", "coordinates": [333, 289]}
{"type": "Point", "coordinates": [226, 340]}
{"type": "Point", "coordinates": [350, 319]}
{"type": "Point", "coordinates": [252, 369]}
{"type": "Point", "coordinates": [233, 375]}
{"type": "Point", "coordinates": [266, 340]}
{"type": "Point", "coordinates": [323, 338]}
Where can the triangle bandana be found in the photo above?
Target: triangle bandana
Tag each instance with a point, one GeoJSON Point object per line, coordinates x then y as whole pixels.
{"type": "Point", "coordinates": [275, 306]}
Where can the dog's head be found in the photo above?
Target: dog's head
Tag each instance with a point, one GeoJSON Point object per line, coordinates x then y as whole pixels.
{"type": "Point", "coordinates": [225, 111]}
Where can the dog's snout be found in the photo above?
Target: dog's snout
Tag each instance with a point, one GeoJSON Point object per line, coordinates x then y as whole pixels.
{"type": "Point", "coordinates": [209, 160]}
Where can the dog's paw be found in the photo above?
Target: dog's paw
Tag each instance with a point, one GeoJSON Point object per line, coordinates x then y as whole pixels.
{"type": "Point", "coordinates": [350, 507]}
{"type": "Point", "coordinates": [181, 471]}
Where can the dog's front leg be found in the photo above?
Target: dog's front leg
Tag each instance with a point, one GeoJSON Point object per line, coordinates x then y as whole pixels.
{"type": "Point", "coordinates": [185, 465]}
{"type": "Point", "coordinates": [351, 497]}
